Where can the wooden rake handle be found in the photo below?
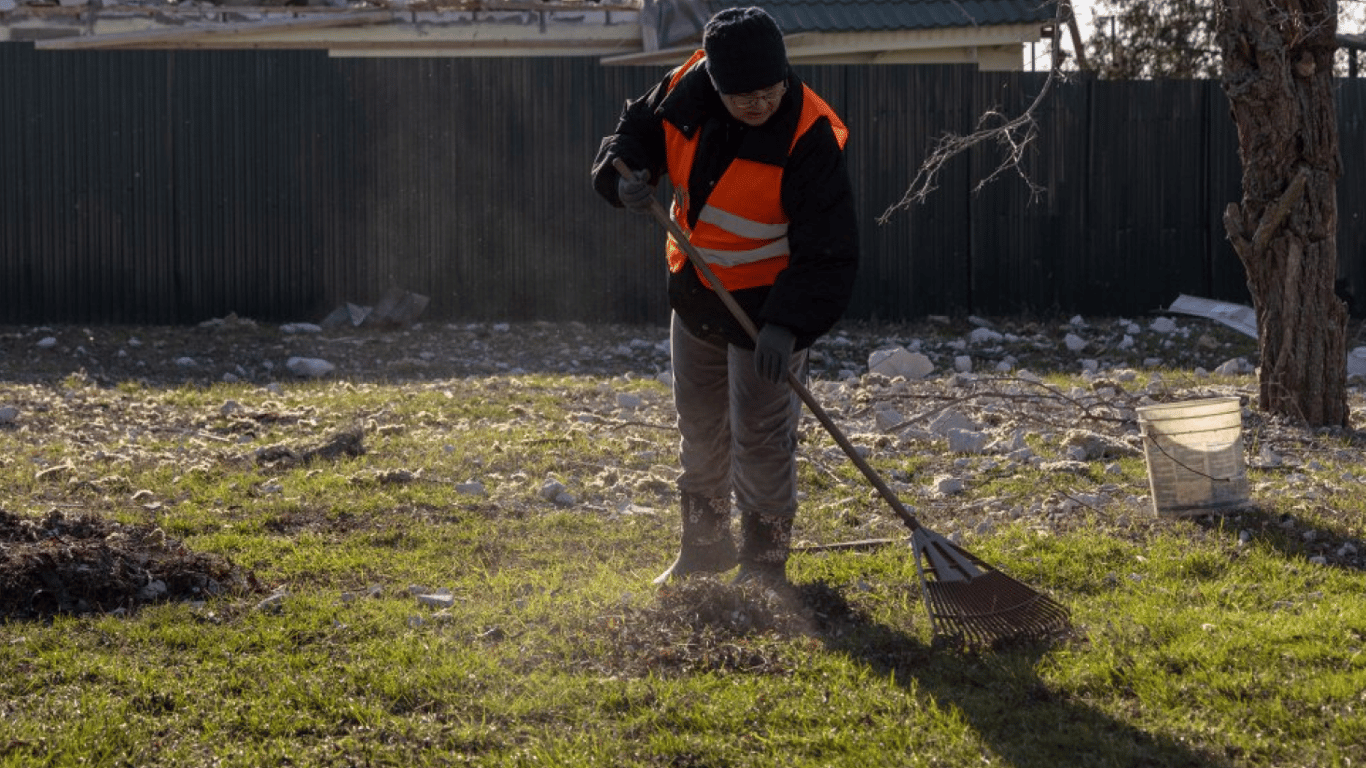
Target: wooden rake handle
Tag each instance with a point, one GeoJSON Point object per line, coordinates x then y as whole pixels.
{"type": "Point", "coordinates": [745, 322]}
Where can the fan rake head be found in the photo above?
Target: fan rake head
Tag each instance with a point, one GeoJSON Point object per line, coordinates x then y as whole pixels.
{"type": "Point", "coordinates": [976, 604]}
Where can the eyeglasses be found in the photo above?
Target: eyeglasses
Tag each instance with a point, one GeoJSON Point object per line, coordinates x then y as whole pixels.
{"type": "Point", "coordinates": [769, 96]}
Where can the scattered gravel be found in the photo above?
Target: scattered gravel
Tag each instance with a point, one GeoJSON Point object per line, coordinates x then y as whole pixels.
{"type": "Point", "coordinates": [972, 391]}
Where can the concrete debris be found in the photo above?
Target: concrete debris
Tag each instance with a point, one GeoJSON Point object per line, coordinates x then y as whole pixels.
{"type": "Point", "coordinates": [309, 367]}
{"type": "Point", "coordinates": [967, 441]}
{"type": "Point", "coordinates": [275, 603]}
{"type": "Point", "coordinates": [439, 599]}
{"type": "Point", "coordinates": [1238, 366]}
{"type": "Point", "coordinates": [373, 592]}
{"type": "Point", "coordinates": [1084, 445]}
{"type": "Point", "coordinates": [950, 420]}
{"type": "Point", "coordinates": [472, 488]}
{"type": "Point", "coordinates": [948, 486]}
{"type": "Point", "coordinates": [888, 419]}
{"type": "Point", "coordinates": [897, 361]}
{"type": "Point", "coordinates": [346, 314]}
{"type": "Point", "coordinates": [980, 336]}
{"type": "Point", "coordinates": [396, 308]}
{"type": "Point", "coordinates": [553, 490]}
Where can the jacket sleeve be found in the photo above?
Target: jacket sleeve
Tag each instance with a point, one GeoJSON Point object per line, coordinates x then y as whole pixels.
{"type": "Point", "coordinates": [638, 140]}
{"type": "Point", "coordinates": [813, 292]}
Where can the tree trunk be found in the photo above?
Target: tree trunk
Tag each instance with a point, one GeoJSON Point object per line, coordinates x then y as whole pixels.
{"type": "Point", "coordinates": [1278, 76]}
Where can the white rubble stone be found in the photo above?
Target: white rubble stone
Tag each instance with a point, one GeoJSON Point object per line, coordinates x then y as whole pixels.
{"type": "Point", "coordinates": [1093, 445]}
{"type": "Point", "coordinates": [309, 367]}
{"type": "Point", "coordinates": [949, 420]}
{"type": "Point", "coordinates": [631, 509]}
{"type": "Point", "coordinates": [153, 590]}
{"type": "Point", "coordinates": [8, 414]}
{"type": "Point", "coordinates": [472, 488]}
{"type": "Point", "coordinates": [47, 342]}
{"type": "Point", "coordinates": [274, 603]}
{"type": "Point", "coordinates": [984, 336]}
{"type": "Point", "coordinates": [966, 441]}
{"type": "Point", "coordinates": [1074, 343]}
{"type": "Point", "coordinates": [947, 486]}
{"type": "Point", "coordinates": [898, 361]}
{"type": "Point", "coordinates": [963, 363]}
{"type": "Point", "coordinates": [1126, 343]}
{"type": "Point", "coordinates": [374, 591]}
{"type": "Point", "coordinates": [1163, 325]}
{"type": "Point", "coordinates": [888, 419]}
{"type": "Point", "coordinates": [1009, 445]}
{"type": "Point", "coordinates": [628, 401]}
{"type": "Point", "coordinates": [185, 362]}
{"type": "Point", "coordinates": [301, 328]}
{"type": "Point", "coordinates": [442, 599]}
{"type": "Point", "coordinates": [1238, 366]}
{"type": "Point", "coordinates": [551, 489]}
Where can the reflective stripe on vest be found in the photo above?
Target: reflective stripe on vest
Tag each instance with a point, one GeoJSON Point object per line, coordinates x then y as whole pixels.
{"type": "Point", "coordinates": [741, 232]}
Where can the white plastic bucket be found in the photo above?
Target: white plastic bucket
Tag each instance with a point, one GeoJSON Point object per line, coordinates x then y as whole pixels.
{"type": "Point", "coordinates": [1195, 455]}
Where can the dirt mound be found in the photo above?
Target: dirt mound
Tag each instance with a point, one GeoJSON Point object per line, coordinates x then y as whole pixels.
{"type": "Point", "coordinates": [77, 563]}
{"type": "Point", "coordinates": [705, 624]}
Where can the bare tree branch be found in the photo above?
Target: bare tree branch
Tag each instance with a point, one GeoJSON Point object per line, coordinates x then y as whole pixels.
{"type": "Point", "coordinates": [1012, 135]}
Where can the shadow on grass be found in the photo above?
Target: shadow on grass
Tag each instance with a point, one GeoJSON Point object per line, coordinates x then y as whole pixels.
{"type": "Point", "coordinates": [1020, 718]}
{"type": "Point", "coordinates": [1293, 538]}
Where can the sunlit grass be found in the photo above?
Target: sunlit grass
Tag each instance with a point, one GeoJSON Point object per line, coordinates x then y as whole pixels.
{"type": "Point", "coordinates": [1196, 644]}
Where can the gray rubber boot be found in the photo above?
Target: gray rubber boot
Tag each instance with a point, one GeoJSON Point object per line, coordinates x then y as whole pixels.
{"type": "Point", "coordinates": [765, 542]}
{"type": "Point", "coordinates": [708, 546]}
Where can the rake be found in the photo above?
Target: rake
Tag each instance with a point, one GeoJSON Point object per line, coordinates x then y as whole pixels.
{"type": "Point", "coordinates": [968, 600]}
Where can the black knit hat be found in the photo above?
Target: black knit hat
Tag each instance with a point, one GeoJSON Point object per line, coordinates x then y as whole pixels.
{"type": "Point", "coordinates": [745, 50]}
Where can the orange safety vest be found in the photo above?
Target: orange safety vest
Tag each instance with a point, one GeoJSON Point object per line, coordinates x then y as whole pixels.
{"type": "Point", "coordinates": [742, 230]}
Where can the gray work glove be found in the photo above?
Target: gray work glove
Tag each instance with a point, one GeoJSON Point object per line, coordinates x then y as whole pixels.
{"type": "Point", "coordinates": [635, 191]}
{"type": "Point", "coordinates": [773, 353]}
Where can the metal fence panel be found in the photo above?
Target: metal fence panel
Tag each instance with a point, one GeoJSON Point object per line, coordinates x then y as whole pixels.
{"type": "Point", "coordinates": [175, 186]}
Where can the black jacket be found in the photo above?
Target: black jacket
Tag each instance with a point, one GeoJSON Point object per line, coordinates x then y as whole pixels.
{"type": "Point", "coordinates": [813, 292]}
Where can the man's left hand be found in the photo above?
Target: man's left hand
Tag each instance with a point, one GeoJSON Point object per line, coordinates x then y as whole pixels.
{"type": "Point", "coordinates": [773, 352]}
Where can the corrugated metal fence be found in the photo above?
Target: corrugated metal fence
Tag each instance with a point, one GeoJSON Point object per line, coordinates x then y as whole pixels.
{"type": "Point", "coordinates": [170, 187]}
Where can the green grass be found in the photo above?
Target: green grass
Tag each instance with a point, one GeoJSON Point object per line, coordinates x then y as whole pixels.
{"type": "Point", "coordinates": [1194, 648]}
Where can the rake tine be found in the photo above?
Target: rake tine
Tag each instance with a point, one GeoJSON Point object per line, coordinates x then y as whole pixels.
{"type": "Point", "coordinates": [970, 599]}
{"type": "Point", "coordinates": [965, 591]}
